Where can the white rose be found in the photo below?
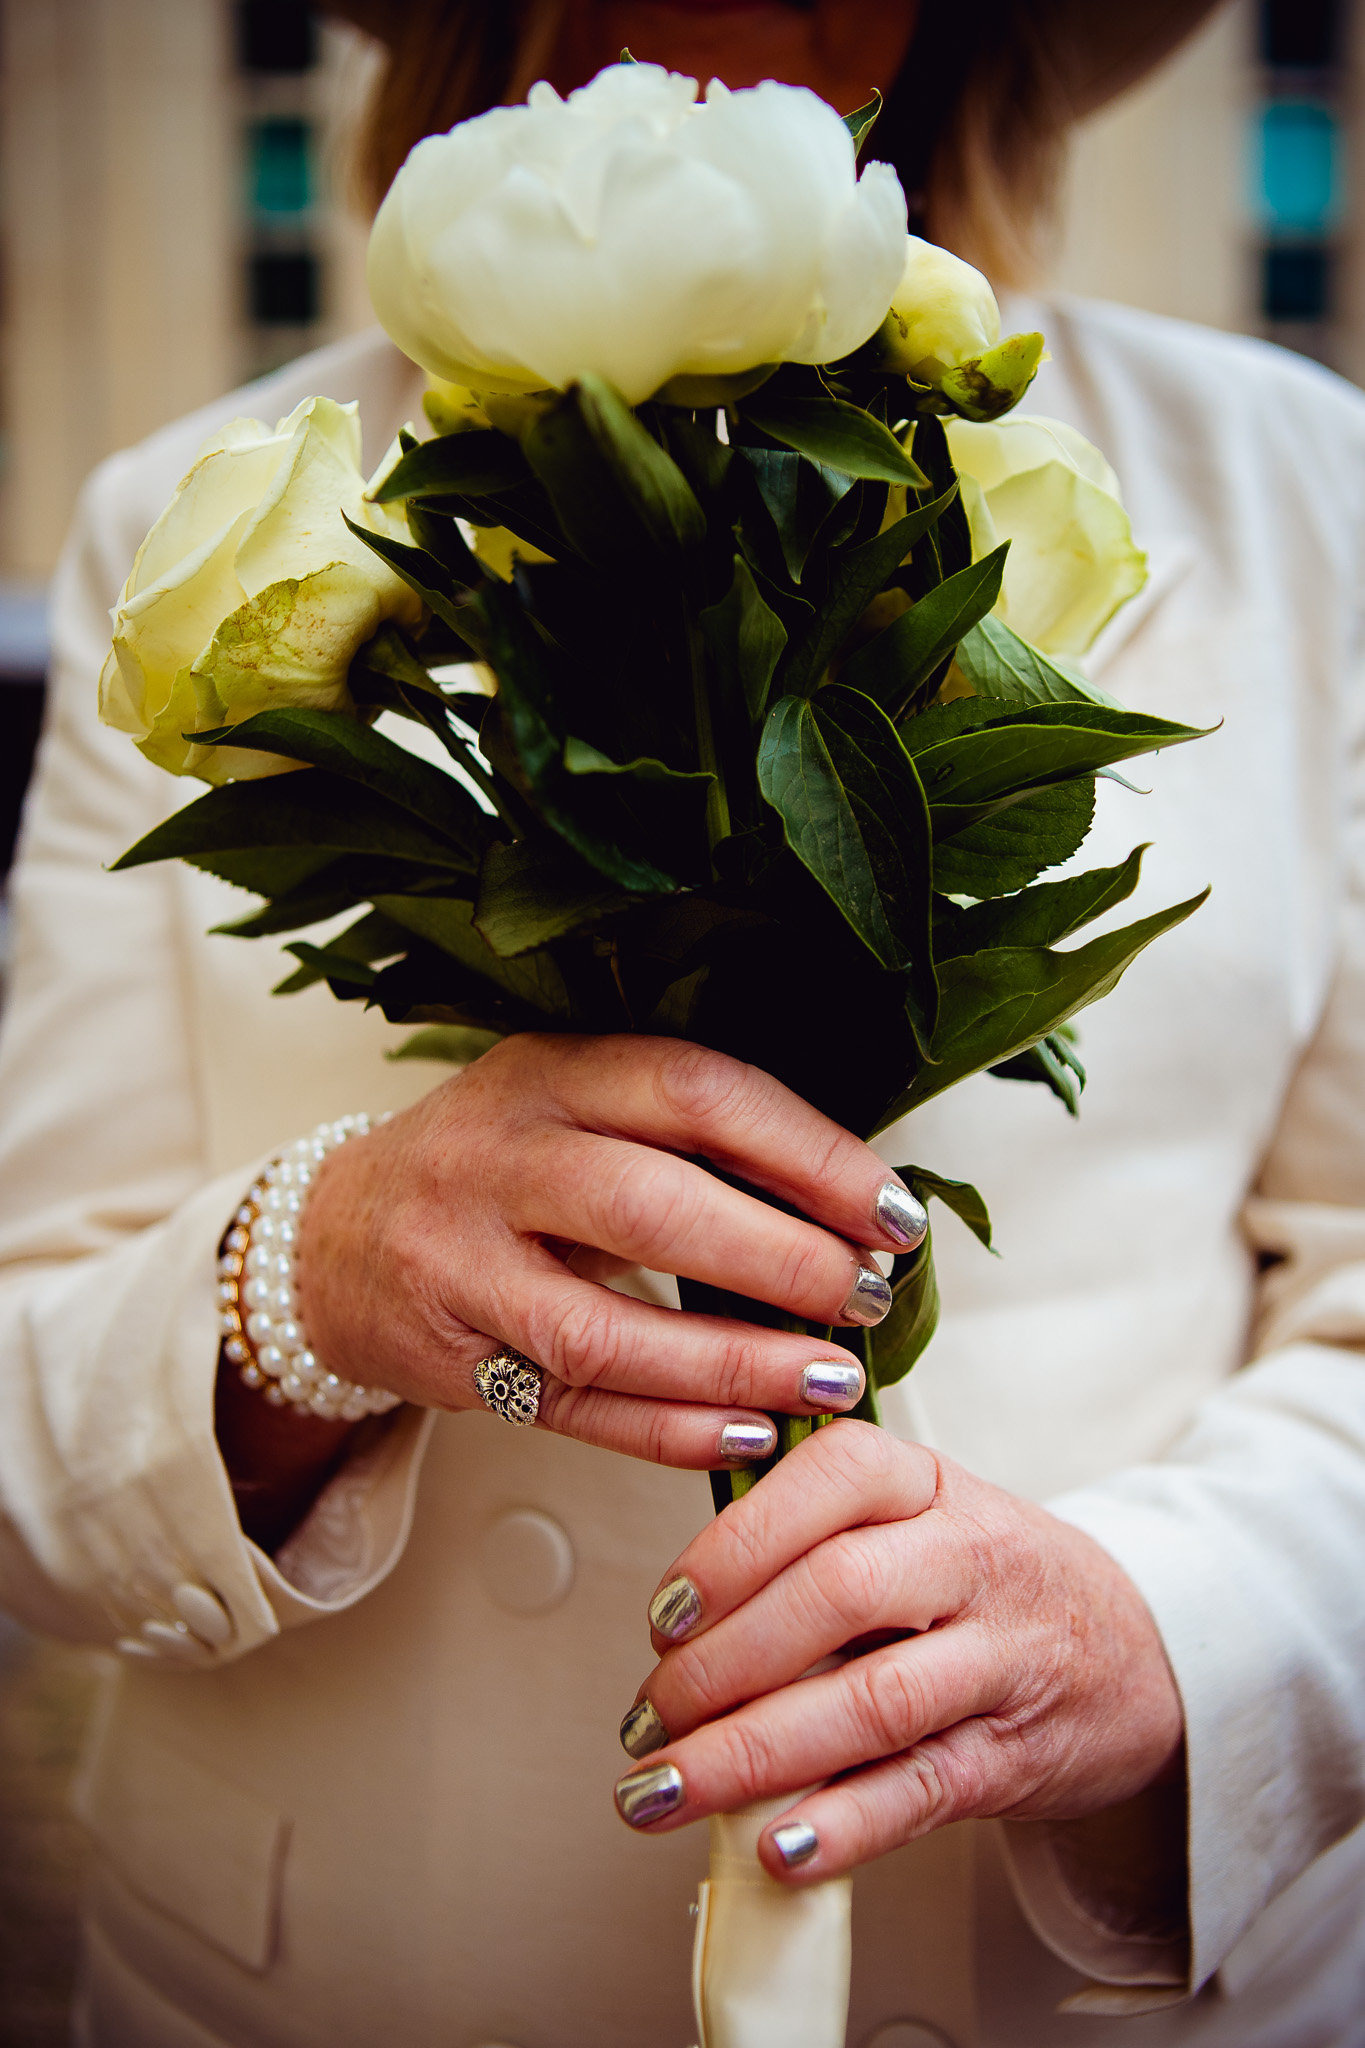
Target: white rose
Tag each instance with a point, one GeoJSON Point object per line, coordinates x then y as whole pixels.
{"type": "Point", "coordinates": [943, 314]}
{"type": "Point", "coordinates": [250, 593]}
{"type": "Point", "coordinates": [631, 233]}
{"type": "Point", "coordinates": [1040, 485]}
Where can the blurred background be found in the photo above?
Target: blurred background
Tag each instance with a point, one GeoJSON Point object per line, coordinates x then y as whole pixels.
{"type": "Point", "coordinates": [175, 219]}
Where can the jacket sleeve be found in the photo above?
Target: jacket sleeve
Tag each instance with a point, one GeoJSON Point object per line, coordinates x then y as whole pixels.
{"type": "Point", "coordinates": [116, 1518]}
{"type": "Point", "coordinates": [1247, 1541]}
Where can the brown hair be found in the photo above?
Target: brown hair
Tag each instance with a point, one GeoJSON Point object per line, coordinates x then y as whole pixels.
{"type": "Point", "coordinates": [975, 124]}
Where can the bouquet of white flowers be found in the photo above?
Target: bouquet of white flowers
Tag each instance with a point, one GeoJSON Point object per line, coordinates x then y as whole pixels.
{"type": "Point", "coordinates": [767, 724]}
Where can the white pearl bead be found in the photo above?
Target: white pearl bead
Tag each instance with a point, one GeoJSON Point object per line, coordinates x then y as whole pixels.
{"type": "Point", "coordinates": [271, 1359]}
{"type": "Point", "coordinates": [227, 1293]}
{"type": "Point", "coordinates": [229, 1321]}
{"type": "Point", "coordinates": [281, 1303]}
{"type": "Point", "coordinates": [306, 1366]}
{"type": "Point", "coordinates": [252, 1375]}
{"type": "Point", "coordinates": [264, 1231]}
{"type": "Point", "coordinates": [353, 1410]}
{"type": "Point", "coordinates": [259, 1260]}
{"type": "Point", "coordinates": [292, 1387]}
{"type": "Point", "coordinates": [238, 1350]}
{"type": "Point", "coordinates": [237, 1240]}
{"type": "Point", "coordinates": [271, 1391]}
{"type": "Point", "coordinates": [274, 1203]}
{"type": "Point", "coordinates": [256, 1293]}
{"type": "Point", "coordinates": [290, 1338]}
{"type": "Point", "coordinates": [260, 1328]}
{"type": "Point", "coordinates": [286, 1231]}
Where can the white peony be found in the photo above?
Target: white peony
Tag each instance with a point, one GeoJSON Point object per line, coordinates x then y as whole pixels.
{"type": "Point", "coordinates": [250, 592]}
{"type": "Point", "coordinates": [1040, 485]}
{"type": "Point", "coordinates": [629, 232]}
{"type": "Point", "coordinates": [943, 313]}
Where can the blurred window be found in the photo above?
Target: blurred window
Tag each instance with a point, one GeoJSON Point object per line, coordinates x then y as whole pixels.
{"type": "Point", "coordinates": [1300, 35]}
{"type": "Point", "coordinates": [1296, 284]}
{"type": "Point", "coordinates": [275, 36]}
{"type": "Point", "coordinates": [1300, 177]}
{"type": "Point", "coordinates": [279, 166]}
{"type": "Point", "coordinates": [284, 288]}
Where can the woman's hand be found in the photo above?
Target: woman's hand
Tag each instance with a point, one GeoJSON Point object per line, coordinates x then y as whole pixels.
{"type": "Point", "coordinates": [1033, 1681]}
{"type": "Point", "coordinates": [450, 1230]}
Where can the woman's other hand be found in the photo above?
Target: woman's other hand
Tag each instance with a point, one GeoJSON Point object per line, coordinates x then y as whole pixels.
{"type": "Point", "coordinates": [449, 1232]}
{"type": "Point", "coordinates": [1018, 1670]}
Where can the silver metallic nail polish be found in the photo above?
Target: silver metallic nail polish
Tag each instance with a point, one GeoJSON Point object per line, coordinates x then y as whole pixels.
{"type": "Point", "coordinates": [827, 1385]}
{"type": "Point", "coordinates": [870, 1299]}
{"type": "Point", "coordinates": [648, 1795]}
{"type": "Point", "coordinates": [675, 1609]}
{"type": "Point", "coordinates": [745, 1441]}
{"type": "Point", "coordinates": [904, 1220]}
{"type": "Point", "coordinates": [642, 1732]}
{"type": "Point", "coordinates": [795, 1843]}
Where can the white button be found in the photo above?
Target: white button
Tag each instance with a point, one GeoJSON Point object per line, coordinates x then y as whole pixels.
{"type": "Point", "coordinates": [173, 1639]}
{"type": "Point", "coordinates": [907, 2034]}
{"type": "Point", "coordinates": [200, 1611]}
{"type": "Point", "coordinates": [526, 1563]}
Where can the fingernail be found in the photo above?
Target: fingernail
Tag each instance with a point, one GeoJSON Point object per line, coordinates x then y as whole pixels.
{"type": "Point", "coordinates": [870, 1299]}
{"type": "Point", "coordinates": [745, 1441]}
{"type": "Point", "coordinates": [675, 1608]}
{"type": "Point", "coordinates": [904, 1220]}
{"type": "Point", "coordinates": [648, 1795]}
{"type": "Point", "coordinates": [795, 1843]}
{"type": "Point", "coordinates": [642, 1732]}
{"type": "Point", "coordinates": [827, 1385]}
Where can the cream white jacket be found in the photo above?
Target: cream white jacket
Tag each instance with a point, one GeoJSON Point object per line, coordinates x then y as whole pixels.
{"type": "Point", "coordinates": [377, 1808]}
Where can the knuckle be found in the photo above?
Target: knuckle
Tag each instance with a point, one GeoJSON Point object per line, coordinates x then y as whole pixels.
{"type": "Point", "coordinates": [645, 1191]}
{"type": "Point", "coordinates": [584, 1346]}
{"type": "Point", "coordinates": [700, 1686]}
{"type": "Point", "coordinates": [863, 1456]}
{"type": "Point", "coordinates": [803, 1273]}
{"type": "Point", "coordinates": [889, 1704]}
{"type": "Point", "coordinates": [849, 1578]}
{"type": "Point", "coordinates": [749, 1751]}
{"type": "Point", "coordinates": [700, 1087]}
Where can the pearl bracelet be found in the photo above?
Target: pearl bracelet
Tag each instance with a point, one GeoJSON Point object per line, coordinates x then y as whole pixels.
{"type": "Point", "coordinates": [256, 1286]}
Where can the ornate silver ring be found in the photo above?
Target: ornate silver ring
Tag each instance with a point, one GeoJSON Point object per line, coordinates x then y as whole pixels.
{"type": "Point", "coordinates": [510, 1385]}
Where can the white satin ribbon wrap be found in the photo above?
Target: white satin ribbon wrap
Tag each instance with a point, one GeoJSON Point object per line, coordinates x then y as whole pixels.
{"type": "Point", "coordinates": [770, 1965]}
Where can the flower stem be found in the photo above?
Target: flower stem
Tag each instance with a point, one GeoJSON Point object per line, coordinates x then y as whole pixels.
{"type": "Point", "coordinates": [717, 802]}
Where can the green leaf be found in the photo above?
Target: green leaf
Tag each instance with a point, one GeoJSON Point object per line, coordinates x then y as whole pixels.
{"type": "Point", "coordinates": [447, 923]}
{"type": "Point", "coordinates": [997, 663]}
{"type": "Point", "coordinates": [534, 891]}
{"type": "Point", "coordinates": [471, 463]}
{"type": "Point", "coordinates": [858, 575]}
{"type": "Point", "coordinates": [1054, 1062]}
{"type": "Point", "coordinates": [903, 1335]}
{"type": "Point", "coordinates": [529, 719]}
{"type": "Point", "coordinates": [419, 570]}
{"type": "Point", "coordinates": [461, 1044]}
{"type": "Point", "coordinates": [1028, 749]}
{"type": "Point", "coordinates": [314, 811]}
{"type": "Point", "coordinates": [345, 960]}
{"type": "Point", "coordinates": [859, 122]}
{"type": "Point", "coordinates": [853, 810]}
{"type": "Point", "coordinates": [958, 1195]}
{"type": "Point", "coordinates": [798, 495]}
{"type": "Point", "coordinates": [614, 489]}
{"type": "Point", "coordinates": [999, 1003]}
{"type": "Point", "coordinates": [357, 753]}
{"type": "Point", "coordinates": [904, 655]}
{"type": "Point", "coordinates": [839, 435]}
{"type": "Point", "coordinates": [746, 639]}
{"type": "Point", "coordinates": [1041, 916]}
{"type": "Point", "coordinates": [995, 855]}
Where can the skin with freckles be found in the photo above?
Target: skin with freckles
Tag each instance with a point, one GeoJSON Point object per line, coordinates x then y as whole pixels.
{"type": "Point", "coordinates": [992, 1660]}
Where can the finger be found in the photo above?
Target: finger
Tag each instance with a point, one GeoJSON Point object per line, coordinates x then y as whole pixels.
{"type": "Point", "coordinates": [962, 1773]}
{"type": "Point", "coordinates": [689, 1099]}
{"type": "Point", "coordinates": [840, 1478]}
{"type": "Point", "coordinates": [667, 1214]}
{"type": "Point", "coordinates": [872, 1707]}
{"type": "Point", "coordinates": [589, 1336]}
{"type": "Point", "coordinates": [861, 1582]}
{"type": "Point", "coordinates": [678, 1433]}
